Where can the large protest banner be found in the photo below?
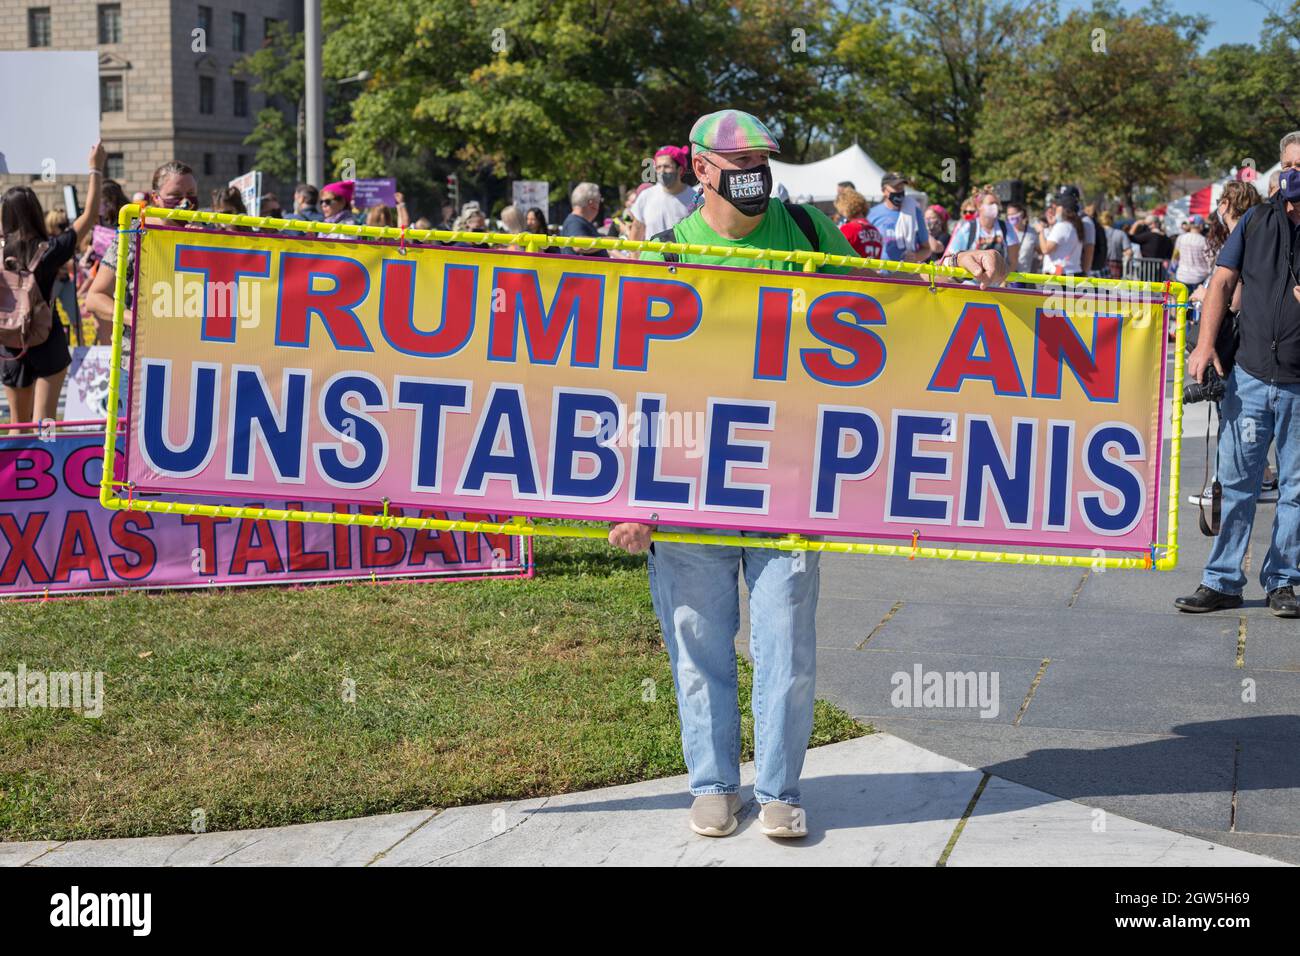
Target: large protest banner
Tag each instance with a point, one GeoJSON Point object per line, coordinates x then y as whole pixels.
{"type": "Point", "coordinates": [580, 387]}
{"type": "Point", "coordinates": [55, 538]}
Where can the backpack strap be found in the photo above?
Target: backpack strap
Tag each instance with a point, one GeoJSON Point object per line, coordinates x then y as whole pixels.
{"type": "Point", "coordinates": [804, 221]}
{"type": "Point", "coordinates": [37, 256]}
{"type": "Point", "coordinates": [668, 235]}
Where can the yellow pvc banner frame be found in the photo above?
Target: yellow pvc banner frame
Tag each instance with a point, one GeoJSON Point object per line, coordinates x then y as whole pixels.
{"type": "Point", "coordinates": [132, 214]}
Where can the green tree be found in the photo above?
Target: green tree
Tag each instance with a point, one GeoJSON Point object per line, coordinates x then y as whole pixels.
{"type": "Point", "coordinates": [1102, 101]}
{"type": "Point", "coordinates": [917, 79]}
{"type": "Point", "coordinates": [564, 90]}
{"type": "Point", "coordinates": [277, 72]}
{"type": "Point", "coordinates": [1244, 97]}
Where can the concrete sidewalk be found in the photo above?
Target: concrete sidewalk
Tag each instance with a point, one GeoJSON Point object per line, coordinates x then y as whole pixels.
{"type": "Point", "coordinates": [874, 801]}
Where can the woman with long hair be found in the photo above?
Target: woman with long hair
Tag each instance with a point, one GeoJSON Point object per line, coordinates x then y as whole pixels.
{"type": "Point", "coordinates": [1060, 238]}
{"type": "Point", "coordinates": [173, 187]}
{"type": "Point", "coordinates": [111, 202]}
{"type": "Point", "coordinates": [1235, 199]}
{"type": "Point", "coordinates": [33, 378]}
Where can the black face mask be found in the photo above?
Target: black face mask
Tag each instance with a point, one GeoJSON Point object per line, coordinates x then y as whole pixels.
{"type": "Point", "coordinates": [746, 189]}
{"type": "Point", "coordinates": [895, 199]}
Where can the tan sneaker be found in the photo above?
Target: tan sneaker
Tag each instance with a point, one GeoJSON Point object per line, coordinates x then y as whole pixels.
{"type": "Point", "coordinates": [714, 814]}
{"type": "Point", "coordinates": [778, 819]}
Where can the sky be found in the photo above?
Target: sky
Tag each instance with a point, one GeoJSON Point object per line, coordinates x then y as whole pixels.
{"type": "Point", "coordinates": [1232, 21]}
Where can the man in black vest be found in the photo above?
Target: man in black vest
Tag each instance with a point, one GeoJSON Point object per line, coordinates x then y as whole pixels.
{"type": "Point", "coordinates": [1261, 401]}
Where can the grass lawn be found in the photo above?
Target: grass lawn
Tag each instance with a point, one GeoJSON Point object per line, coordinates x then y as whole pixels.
{"type": "Point", "coordinates": [233, 701]}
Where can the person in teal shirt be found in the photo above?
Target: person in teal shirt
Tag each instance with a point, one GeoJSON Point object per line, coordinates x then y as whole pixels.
{"type": "Point", "coordinates": [694, 587]}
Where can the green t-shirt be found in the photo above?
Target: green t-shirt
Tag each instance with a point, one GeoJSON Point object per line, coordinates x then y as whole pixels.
{"type": "Point", "coordinates": [778, 230]}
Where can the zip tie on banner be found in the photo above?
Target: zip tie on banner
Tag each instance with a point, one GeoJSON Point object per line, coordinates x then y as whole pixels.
{"type": "Point", "coordinates": [401, 242]}
{"type": "Point", "coordinates": [916, 537]}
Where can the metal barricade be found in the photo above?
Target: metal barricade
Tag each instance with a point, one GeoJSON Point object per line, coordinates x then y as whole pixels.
{"type": "Point", "coordinates": [1146, 270]}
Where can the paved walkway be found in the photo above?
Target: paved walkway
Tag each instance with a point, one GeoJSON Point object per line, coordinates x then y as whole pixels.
{"type": "Point", "coordinates": [1107, 695]}
{"type": "Point", "coordinates": [877, 800]}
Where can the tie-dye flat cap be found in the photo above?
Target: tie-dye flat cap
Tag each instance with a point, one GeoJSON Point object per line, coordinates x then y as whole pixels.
{"type": "Point", "coordinates": [727, 131]}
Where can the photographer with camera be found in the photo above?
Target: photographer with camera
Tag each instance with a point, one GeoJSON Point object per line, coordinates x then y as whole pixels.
{"type": "Point", "coordinates": [1260, 394]}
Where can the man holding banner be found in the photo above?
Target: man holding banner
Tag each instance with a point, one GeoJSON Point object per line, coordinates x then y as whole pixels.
{"type": "Point", "coordinates": [695, 588]}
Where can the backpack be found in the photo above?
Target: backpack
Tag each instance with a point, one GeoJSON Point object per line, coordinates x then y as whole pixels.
{"type": "Point", "coordinates": [25, 316]}
{"type": "Point", "coordinates": [797, 212]}
{"type": "Point", "coordinates": [971, 234]}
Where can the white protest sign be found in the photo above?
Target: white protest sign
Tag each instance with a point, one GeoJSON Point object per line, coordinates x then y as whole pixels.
{"type": "Point", "coordinates": [528, 194]}
{"type": "Point", "coordinates": [40, 87]}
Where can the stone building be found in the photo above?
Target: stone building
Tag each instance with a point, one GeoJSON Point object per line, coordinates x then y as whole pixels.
{"type": "Point", "coordinates": [166, 85]}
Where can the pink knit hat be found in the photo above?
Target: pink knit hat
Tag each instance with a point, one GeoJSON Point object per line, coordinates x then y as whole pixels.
{"type": "Point", "coordinates": [678, 154]}
{"type": "Point", "coordinates": [342, 189]}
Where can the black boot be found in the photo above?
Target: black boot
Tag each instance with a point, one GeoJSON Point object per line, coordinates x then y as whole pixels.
{"type": "Point", "coordinates": [1208, 599]}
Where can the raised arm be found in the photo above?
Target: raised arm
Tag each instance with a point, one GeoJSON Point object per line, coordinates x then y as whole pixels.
{"type": "Point", "coordinates": [90, 211]}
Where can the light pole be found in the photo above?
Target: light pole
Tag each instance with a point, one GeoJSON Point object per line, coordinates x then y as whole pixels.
{"type": "Point", "coordinates": [315, 94]}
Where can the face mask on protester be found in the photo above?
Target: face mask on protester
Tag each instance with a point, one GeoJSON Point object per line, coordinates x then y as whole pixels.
{"type": "Point", "coordinates": [668, 178]}
{"type": "Point", "coordinates": [1288, 184]}
{"type": "Point", "coordinates": [989, 210]}
{"type": "Point", "coordinates": [746, 189]}
{"type": "Point", "coordinates": [894, 199]}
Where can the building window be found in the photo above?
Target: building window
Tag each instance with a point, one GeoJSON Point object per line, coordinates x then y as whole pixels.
{"type": "Point", "coordinates": [207, 93]}
{"type": "Point", "coordinates": [110, 23]}
{"type": "Point", "coordinates": [238, 22]}
{"type": "Point", "coordinates": [268, 27]}
{"type": "Point", "coordinates": [241, 163]}
{"type": "Point", "coordinates": [205, 22]}
{"type": "Point", "coordinates": [38, 26]}
{"type": "Point", "coordinates": [209, 162]}
{"type": "Point", "coordinates": [241, 98]}
{"type": "Point", "coordinates": [115, 166]}
{"type": "Point", "coordinates": [110, 94]}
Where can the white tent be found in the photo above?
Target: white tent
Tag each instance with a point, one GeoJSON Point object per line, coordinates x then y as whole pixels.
{"type": "Point", "coordinates": [819, 179]}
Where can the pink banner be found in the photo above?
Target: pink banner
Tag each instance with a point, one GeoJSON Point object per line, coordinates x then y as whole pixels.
{"type": "Point", "coordinates": [56, 538]}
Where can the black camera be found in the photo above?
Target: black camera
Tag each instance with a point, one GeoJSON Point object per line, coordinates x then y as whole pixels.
{"type": "Point", "coordinates": [1209, 390]}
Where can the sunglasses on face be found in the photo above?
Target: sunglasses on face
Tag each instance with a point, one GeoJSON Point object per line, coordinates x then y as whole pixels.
{"type": "Point", "coordinates": [330, 201]}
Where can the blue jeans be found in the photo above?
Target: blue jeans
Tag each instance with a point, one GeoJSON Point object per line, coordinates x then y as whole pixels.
{"type": "Point", "coordinates": [1254, 414]}
{"type": "Point", "coordinates": [696, 594]}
